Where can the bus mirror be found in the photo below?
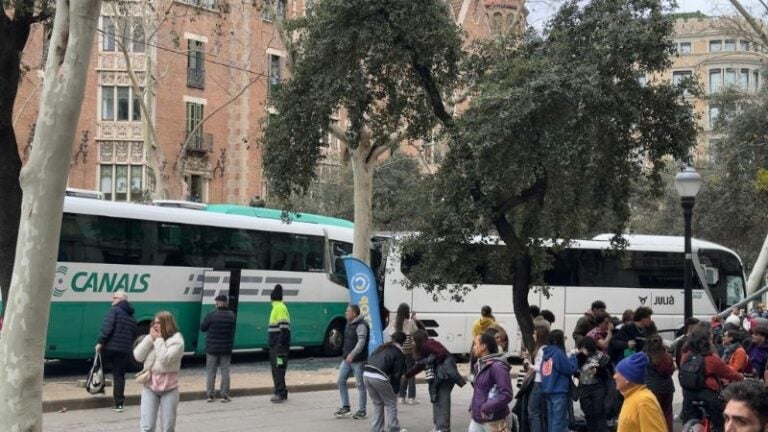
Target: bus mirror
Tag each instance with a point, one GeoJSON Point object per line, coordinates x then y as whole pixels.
{"type": "Point", "coordinates": [712, 275]}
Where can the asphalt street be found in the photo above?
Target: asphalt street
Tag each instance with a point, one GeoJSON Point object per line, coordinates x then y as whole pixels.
{"type": "Point", "coordinates": [302, 412]}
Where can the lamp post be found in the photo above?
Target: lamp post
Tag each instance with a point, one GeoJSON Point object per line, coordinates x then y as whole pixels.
{"type": "Point", "coordinates": [687, 183]}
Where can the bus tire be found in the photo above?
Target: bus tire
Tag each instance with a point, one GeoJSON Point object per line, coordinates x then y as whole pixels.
{"type": "Point", "coordinates": [333, 339]}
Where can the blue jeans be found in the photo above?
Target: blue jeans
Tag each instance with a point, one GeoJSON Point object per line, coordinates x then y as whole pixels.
{"type": "Point", "coordinates": [345, 371]}
{"type": "Point", "coordinates": [535, 415]}
{"type": "Point", "coordinates": [557, 410]}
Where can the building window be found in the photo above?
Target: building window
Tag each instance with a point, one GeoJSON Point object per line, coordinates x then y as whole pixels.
{"type": "Point", "coordinates": [685, 48]}
{"type": "Point", "coordinates": [715, 46]}
{"type": "Point", "coordinates": [139, 39]}
{"type": "Point", "coordinates": [679, 77]}
{"type": "Point", "coordinates": [120, 103]}
{"type": "Point", "coordinates": [755, 80]}
{"type": "Point", "coordinates": [122, 182]}
{"type": "Point", "coordinates": [714, 115]}
{"type": "Point", "coordinates": [743, 45]}
{"type": "Point", "coordinates": [197, 186]}
{"type": "Point", "coordinates": [730, 45]}
{"type": "Point", "coordinates": [108, 34]}
{"type": "Point", "coordinates": [744, 80]}
{"type": "Point", "coordinates": [715, 80]}
{"type": "Point", "coordinates": [497, 21]}
{"type": "Point", "coordinates": [266, 13]}
{"type": "Point", "coordinates": [274, 73]}
{"type": "Point", "coordinates": [730, 77]}
{"type": "Point", "coordinates": [194, 126]}
{"type": "Point", "coordinates": [195, 59]}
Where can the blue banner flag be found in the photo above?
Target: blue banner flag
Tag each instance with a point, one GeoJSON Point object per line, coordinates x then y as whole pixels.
{"type": "Point", "coordinates": [362, 292]}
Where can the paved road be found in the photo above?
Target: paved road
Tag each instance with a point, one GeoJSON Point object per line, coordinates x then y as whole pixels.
{"type": "Point", "coordinates": [303, 412]}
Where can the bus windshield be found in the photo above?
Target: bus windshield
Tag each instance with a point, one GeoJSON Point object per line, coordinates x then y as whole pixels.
{"type": "Point", "coordinates": [724, 276]}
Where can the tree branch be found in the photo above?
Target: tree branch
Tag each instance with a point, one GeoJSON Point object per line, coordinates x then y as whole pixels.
{"type": "Point", "coordinates": [536, 190]}
{"type": "Point", "coordinates": [751, 21]}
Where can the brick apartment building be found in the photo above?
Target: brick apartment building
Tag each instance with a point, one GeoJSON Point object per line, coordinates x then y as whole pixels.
{"type": "Point", "coordinates": [204, 70]}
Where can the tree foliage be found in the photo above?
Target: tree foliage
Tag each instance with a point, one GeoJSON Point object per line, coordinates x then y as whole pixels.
{"type": "Point", "coordinates": [557, 130]}
{"type": "Point", "coordinates": [382, 62]}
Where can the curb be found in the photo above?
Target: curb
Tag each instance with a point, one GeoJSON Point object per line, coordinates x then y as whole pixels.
{"type": "Point", "coordinates": [94, 402]}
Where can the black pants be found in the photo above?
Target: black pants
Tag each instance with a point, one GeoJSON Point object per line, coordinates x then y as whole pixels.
{"type": "Point", "coordinates": [712, 404]}
{"type": "Point", "coordinates": [592, 400]}
{"type": "Point", "coordinates": [278, 371]}
{"type": "Point", "coordinates": [119, 363]}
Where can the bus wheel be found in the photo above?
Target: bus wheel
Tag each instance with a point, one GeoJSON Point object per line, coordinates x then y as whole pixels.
{"type": "Point", "coordinates": [333, 340]}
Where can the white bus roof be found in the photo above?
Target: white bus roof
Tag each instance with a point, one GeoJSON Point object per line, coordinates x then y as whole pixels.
{"type": "Point", "coordinates": [196, 217]}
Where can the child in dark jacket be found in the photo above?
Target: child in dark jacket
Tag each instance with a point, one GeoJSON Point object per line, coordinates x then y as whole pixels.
{"type": "Point", "coordinates": [492, 387]}
{"type": "Point", "coordinates": [556, 370]}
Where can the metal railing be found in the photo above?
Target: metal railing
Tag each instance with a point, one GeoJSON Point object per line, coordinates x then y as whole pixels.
{"type": "Point", "coordinates": [199, 142]}
{"type": "Point", "coordinates": [196, 78]}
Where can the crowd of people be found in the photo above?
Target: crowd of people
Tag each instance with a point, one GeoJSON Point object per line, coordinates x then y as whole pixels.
{"type": "Point", "coordinates": [621, 370]}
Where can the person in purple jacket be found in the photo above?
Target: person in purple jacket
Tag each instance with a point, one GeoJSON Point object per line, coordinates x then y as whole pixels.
{"type": "Point", "coordinates": [556, 372]}
{"type": "Point", "coordinates": [492, 385]}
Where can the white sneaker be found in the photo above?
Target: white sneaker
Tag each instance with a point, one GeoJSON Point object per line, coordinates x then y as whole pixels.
{"type": "Point", "coordinates": [401, 400]}
{"type": "Point", "coordinates": [412, 401]}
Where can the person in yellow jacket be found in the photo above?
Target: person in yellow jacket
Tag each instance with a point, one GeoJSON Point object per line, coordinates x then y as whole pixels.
{"type": "Point", "coordinates": [641, 411]}
{"type": "Point", "coordinates": [486, 320]}
{"type": "Point", "coordinates": [279, 343]}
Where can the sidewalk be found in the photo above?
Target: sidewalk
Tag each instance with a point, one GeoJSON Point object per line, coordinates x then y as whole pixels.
{"type": "Point", "coordinates": [67, 396]}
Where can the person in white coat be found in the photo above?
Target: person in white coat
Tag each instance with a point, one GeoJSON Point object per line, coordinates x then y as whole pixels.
{"type": "Point", "coordinates": [161, 351]}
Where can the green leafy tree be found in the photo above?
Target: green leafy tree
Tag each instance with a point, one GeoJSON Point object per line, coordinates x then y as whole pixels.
{"type": "Point", "coordinates": [557, 131]}
{"type": "Point", "coordinates": [383, 65]}
{"type": "Point", "coordinates": [16, 23]}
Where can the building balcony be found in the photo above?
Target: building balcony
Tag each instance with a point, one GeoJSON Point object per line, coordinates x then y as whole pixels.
{"type": "Point", "coordinates": [196, 78]}
{"type": "Point", "coordinates": [199, 142]}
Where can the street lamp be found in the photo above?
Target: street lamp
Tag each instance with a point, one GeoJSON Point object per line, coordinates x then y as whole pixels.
{"type": "Point", "coordinates": [687, 183]}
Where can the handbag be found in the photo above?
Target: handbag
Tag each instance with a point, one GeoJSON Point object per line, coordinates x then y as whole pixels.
{"type": "Point", "coordinates": [144, 376]}
{"type": "Point", "coordinates": [94, 384]}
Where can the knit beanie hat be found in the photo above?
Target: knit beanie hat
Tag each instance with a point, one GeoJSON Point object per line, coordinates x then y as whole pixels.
{"type": "Point", "coordinates": [633, 368]}
{"type": "Point", "coordinates": [277, 293]}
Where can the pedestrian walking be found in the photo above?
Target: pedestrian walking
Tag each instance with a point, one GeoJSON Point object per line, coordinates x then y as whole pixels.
{"type": "Point", "coordinates": [405, 324]}
{"type": "Point", "coordinates": [219, 329]}
{"type": "Point", "coordinates": [556, 371]}
{"type": "Point", "coordinates": [492, 393]}
{"type": "Point", "coordinates": [658, 376]}
{"type": "Point", "coordinates": [701, 374]}
{"type": "Point", "coordinates": [641, 411]}
{"type": "Point", "coordinates": [536, 404]}
{"type": "Point", "coordinates": [441, 372]}
{"type": "Point", "coordinates": [279, 342]}
{"type": "Point", "coordinates": [587, 322]}
{"type": "Point", "coordinates": [594, 376]}
{"type": "Point", "coordinates": [355, 352]}
{"type": "Point", "coordinates": [382, 376]}
{"type": "Point", "coordinates": [161, 353]}
{"type": "Point", "coordinates": [115, 343]}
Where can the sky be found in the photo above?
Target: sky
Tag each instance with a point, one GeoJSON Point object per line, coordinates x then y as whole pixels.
{"type": "Point", "coordinates": [541, 10]}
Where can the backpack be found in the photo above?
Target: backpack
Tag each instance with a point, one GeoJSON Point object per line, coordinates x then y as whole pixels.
{"type": "Point", "coordinates": [95, 382]}
{"type": "Point", "coordinates": [692, 373]}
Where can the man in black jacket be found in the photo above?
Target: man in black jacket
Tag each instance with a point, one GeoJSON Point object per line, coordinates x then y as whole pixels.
{"type": "Point", "coordinates": [219, 326]}
{"type": "Point", "coordinates": [118, 331]}
{"type": "Point", "coordinates": [382, 376]}
{"type": "Point", "coordinates": [631, 337]}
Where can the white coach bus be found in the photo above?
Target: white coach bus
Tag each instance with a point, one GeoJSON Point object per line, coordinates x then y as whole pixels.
{"type": "Point", "coordinates": [649, 273]}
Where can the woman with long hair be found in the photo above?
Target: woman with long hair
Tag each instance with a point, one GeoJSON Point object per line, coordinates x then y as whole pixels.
{"type": "Point", "coordinates": [161, 351]}
{"type": "Point", "coordinates": [699, 349]}
{"type": "Point", "coordinates": [594, 376]}
{"type": "Point", "coordinates": [492, 394]}
{"type": "Point", "coordinates": [536, 404]}
{"type": "Point", "coordinates": [734, 353]}
{"type": "Point", "coordinates": [658, 375]}
{"type": "Point", "coordinates": [404, 323]}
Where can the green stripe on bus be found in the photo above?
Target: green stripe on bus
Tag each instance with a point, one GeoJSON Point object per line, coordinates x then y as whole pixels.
{"type": "Point", "coordinates": [74, 326]}
{"type": "Point", "coordinates": [268, 213]}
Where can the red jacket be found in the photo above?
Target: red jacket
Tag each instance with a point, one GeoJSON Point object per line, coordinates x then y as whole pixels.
{"type": "Point", "coordinates": [430, 346]}
{"type": "Point", "coordinates": [715, 370]}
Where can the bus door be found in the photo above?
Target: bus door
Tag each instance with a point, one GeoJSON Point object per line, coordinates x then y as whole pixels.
{"type": "Point", "coordinates": [252, 311]}
{"type": "Point", "coordinates": [215, 283]}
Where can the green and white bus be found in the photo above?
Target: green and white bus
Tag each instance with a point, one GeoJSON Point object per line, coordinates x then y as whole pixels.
{"type": "Point", "coordinates": [167, 257]}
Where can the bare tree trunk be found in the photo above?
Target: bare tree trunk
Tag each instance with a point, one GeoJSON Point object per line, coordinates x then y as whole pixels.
{"type": "Point", "coordinates": [521, 283]}
{"type": "Point", "coordinates": [43, 181]}
{"type": "Point", "coordinates": [362, 175]}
